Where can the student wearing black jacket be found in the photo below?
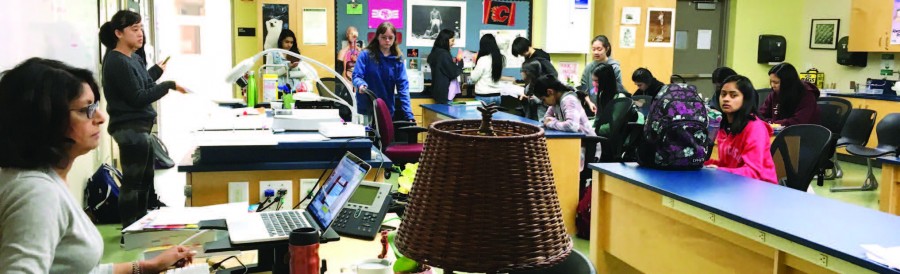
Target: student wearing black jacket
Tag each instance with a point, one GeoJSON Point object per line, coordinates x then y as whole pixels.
{"type": "Point", "coordinates": [130, 90]}
{"type": "Point", "coordinates": [647, 84]}
{"type": "Point", "coordinates": [522, 47]}
{"type": "Point", "coordinates": [443, 69]}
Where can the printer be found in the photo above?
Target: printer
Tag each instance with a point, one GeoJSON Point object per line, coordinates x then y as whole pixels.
{"type": "Point", "coordinates": [304, 119]}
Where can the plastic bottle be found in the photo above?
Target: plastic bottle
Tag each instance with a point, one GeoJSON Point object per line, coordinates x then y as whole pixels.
{"type": "Point", "coordinates": [304, 250]}
{"type": "Point", "coordinates": [251, 90]}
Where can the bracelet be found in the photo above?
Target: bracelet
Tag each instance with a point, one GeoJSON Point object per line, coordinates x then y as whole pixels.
{"type": "Point", "coordinates": [135, 268]}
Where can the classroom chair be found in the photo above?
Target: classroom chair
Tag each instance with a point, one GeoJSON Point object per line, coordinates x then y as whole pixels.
{"type": "Point", "coordinates": [761, 95]}
{"type": "Point", "coordinates": [833, 116]}
{"type": "Point", "coordinates": [888, 144]}
{"type": "Point", "coordinates": [856, 131]}
{"type": "Point", "coordinates": [576, 263]}
{"type": "Point", "coordinates": [796, 151]}
{"type": "Point", "coordinates": [399, 153]}
{"type": "Point", "coordinates": [616, 113]}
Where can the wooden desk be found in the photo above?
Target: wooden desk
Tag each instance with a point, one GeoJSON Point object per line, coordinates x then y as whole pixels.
{"type": "Point", "coordinates": [564, 148]}
{"type": "Point", "coordinates": [209, 183]}
{"type": "Point", "coordinates": [710, 221]}
{"type": "Point", "coordinates": [889, 193]}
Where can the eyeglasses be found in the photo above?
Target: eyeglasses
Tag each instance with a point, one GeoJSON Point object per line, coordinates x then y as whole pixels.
{"type": "Point", "coordinates": [89, 110]}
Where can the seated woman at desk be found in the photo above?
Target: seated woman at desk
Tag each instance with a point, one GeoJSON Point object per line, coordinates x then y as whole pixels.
{"type": "Point", "coordinates": [718, 76]}
{"type": "Point", "coordinates": [647, 84]}
{"type": "Point", "coordinates": [743, 138]}
{"type": "Point", "coordinates": [791, 102]}
{"type": "Point", "coordinates": [49, 116]}
{"type": "Point", "coordinates": [565, 112]}
{"type": "Point", "coordinates": [605, 90]}
{"type": "Point", "coordinates": [295, 74]}
{"type": "Point", "coordinates": [531, 70]}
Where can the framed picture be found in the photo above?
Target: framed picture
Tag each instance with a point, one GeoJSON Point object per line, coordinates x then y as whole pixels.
{"type": "Point", "coordinates": [631, 16]}
{"type": "Point", "coordinates": [660, 27]}
{"type": "Point", "coordinates": [275, 17]}
{"type": "Point", "coordinates": [431, 17]}
{"type": "Point", "coordinates": [823, 33]}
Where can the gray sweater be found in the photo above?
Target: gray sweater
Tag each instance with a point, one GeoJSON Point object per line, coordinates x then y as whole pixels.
{"type": "Point", "coordinates": [130, 90]}
{"type": "Point", "coordinates": [586, 84]}
{"type": "Point", "coordinates": [43, 230]}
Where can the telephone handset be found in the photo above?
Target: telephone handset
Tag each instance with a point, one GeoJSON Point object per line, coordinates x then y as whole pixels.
{"type": "Point", "coordinates": [361, 217]}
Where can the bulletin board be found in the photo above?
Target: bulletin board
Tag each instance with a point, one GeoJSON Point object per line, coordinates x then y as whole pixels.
{"type": "Point", "coordinates": [473, 26]}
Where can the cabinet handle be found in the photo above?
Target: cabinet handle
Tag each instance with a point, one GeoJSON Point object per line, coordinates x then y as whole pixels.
{"type": "Point", "coordinates": [879, 41]}
{"type": "Point", "coordinates": [887, 40]}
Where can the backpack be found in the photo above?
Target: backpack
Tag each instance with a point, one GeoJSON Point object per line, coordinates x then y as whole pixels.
{"type": "Point", "coordinates": [676, 130]}
{"type": "Point", "coordinates": [101, 195]}
{"type": "Point", "coordinates": [161, 159]}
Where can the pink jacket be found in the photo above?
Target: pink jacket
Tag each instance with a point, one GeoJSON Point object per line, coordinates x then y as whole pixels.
{"type": "Point", "coordinates": [747, 153]}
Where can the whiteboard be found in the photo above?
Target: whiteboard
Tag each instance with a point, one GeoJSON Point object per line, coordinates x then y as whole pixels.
{"type": "Point", "coordinates": [64, 30]}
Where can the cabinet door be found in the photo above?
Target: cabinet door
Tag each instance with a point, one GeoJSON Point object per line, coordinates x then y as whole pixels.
{"type": "Point", "coordinates": [870, 25]}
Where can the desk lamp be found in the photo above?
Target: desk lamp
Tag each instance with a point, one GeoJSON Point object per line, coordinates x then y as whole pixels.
{"type": "Point", "coordinates": [484, 199]}
{"type": "Point", "coordinates": [241, 68]}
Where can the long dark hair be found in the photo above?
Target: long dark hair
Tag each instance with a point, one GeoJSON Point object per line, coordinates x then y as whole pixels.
{"type": "Point", "coordinates": [34, 112]}
{"type": "Point", "coordinates": [121, 20]}
{"type": "Point", "coordinates": [285, 33]}
{"type": "Point", "coordinates": [443, 39]}
{"type": "Point", "coordinates": [606, 84]}
{"type": "Point", "coordinates": [374, 46]}
{"type": "Point", "coordinates": [541, 84]}
{"type": "Point", "coordinates": [488, 45]}
{"type": "Point", "coordinates": [790, 90]}
{"type": "Point", "coordinates": [747, 112]}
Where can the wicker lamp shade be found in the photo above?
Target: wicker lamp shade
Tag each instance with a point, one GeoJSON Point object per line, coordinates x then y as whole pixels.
{"type": "Point", "coordinates": [484, 203]}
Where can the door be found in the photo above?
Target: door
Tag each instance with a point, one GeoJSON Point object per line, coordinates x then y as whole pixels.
{"type": "Point", "coordinates": [870, 26]}
{"type": "Point", "coordinates": [699, 42]}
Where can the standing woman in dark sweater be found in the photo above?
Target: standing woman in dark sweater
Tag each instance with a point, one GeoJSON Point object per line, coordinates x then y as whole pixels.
{"type": "Point", "coordinates": [791, 102]}
{"type": "Point", "coordinates": [130, 90]}
{"type": "Point", "coordinates": [443, 69]}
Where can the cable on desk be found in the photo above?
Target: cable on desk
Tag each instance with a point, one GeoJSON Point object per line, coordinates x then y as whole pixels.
{"type": "Point", "coordinates": [218, 265]}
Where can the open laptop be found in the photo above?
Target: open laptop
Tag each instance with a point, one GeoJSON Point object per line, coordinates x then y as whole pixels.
{"type": "Point", "coordinates": [320, 213]}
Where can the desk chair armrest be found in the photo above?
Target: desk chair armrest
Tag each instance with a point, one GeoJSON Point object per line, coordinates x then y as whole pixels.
{"type": "Point", "coordinates": [411, 132]}
{"type": "Point", "coordinates": [399, 124]}
{"type": "Point", "coordinates": [593, 140]}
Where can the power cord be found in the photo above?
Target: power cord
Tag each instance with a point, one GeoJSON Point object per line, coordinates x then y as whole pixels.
{"type": "Point", "coordinates": [325, 170]}
{"type": "Point", "coordinates": [215, 267]}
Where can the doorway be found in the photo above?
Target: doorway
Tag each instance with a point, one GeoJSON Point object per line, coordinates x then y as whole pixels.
{"type": "Point", "coordinates": [700, 36]}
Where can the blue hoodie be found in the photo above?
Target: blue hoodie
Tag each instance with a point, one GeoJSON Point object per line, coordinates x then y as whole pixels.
{"type": "Point", "coordinates": [381, 78]}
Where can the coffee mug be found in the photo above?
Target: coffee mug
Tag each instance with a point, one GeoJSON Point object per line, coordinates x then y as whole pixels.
{"type": "Point", "coordinates": [374, 266]}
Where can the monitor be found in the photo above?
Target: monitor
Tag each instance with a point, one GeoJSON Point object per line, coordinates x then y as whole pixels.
{"type": "Point", "coordinates": [337, 189]}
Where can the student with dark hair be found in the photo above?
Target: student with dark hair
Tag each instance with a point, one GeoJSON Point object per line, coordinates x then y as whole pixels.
{"type": "Point", "coordinates": [718, 76]}
{"type": "Point", "coordinates": [743, 138]}
{"type": "Point", "coordinates": [443, 68]}
{"type": "Point", "coordinates": [604, 81]}
{"type": "Point", "coordinates": [49, 116]}
{"type": "Point", "coordinates": [294, 73]}
{"type": "Point", "coordinates": [646, 83]}
{"type": "Point", "coordinates": [488, 69]}
{"type": "Point", "coordinates": [130, 92]}
{"type": "Point", "coordinates": [564, 112]}
{"type": "Point", "coordinates": [380, 69]}
{"type": "Point", "coordinates": [601, 52]}
{"type": "Point", "coordinates": [791, 102]}
{"type": "Point", "coordinates": [522, 47]}
{"type": "Point", "coordinates": [533, 106]}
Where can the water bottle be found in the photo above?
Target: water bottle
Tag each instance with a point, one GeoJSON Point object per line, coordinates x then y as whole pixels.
{"type": "Point", "coordinates": [304, 250]}
{"type": "Point", "coordinates": [251, 90]}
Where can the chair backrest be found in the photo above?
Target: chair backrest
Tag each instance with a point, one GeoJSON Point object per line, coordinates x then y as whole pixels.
{"type": "Point", "coordinates": [859, 125]}
{"type": "Point", "coordinates": [888, 131]}
{"type": "Point", "coordinates": [644, 101]}
{"type": "Point", "coordinates": [762, 94]}
{"type": "Point", "coordinates": [383, 123]}
{"type": "Point", "coordinates": [834, 112]}
{"type": "Point", "coordinates": [576, 263]}
{"type": "Point", "coordinates": [617, 114]}
{"type": "Point", "coordinates": [796, 152]}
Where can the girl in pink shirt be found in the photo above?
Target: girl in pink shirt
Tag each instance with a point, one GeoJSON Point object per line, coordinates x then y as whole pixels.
{"type": "Point", "coordinates": [743, 138]}
{"type": "Point", "coordinates": [564, 112]}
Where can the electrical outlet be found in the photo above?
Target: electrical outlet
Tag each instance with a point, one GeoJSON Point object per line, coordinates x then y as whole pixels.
{"type": "Point", "coordinates": [238, 192]}
{"type": "Point", "coordinates": [306, 188]}
{"type": "Point", "coordinates": [276, 185]}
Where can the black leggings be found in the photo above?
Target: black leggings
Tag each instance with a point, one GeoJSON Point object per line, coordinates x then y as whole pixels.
{"type": "Point", "coordinates": [137, 192]}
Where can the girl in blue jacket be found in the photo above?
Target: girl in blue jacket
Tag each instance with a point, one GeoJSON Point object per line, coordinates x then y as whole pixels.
{"type": "Point", "coordinates": [380, 70]}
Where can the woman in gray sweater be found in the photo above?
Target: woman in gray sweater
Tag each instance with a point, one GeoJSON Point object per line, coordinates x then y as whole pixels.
{"type": "Point", "coordinates": [130, 90]}
{"type": "Point", "coordinates": [49, 116]}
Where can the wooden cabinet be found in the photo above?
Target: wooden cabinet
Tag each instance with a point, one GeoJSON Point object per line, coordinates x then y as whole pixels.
{"type": "Point", "coordinates": [870, 26]}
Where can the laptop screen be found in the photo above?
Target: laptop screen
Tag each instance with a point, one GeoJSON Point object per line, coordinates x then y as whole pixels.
{"type": "Point", "coordinates": [337, 189]}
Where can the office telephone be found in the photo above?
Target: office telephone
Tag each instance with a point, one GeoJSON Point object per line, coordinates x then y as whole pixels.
{"type": "Point", "coordinates": [361, 217]}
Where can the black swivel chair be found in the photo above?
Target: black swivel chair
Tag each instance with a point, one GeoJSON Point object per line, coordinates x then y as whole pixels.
{"type": "Point", "coordinates": [856, 131]}
{"type": "Point", "coordinates": [576, 263]}
{"type": "Point", "coordinates": [796, 151]}
{"type": "Point", "coordinates": [888, 144]}
{"type": "Point", "coordinates": [834, 112]}
{"type": "Point", "coordinates": [762, 94]}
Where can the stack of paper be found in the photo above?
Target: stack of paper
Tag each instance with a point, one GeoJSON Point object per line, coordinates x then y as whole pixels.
{"type": "Point", "coordinates": [171, 226]}
{"type": "Point", "coordinates": [889, 256]}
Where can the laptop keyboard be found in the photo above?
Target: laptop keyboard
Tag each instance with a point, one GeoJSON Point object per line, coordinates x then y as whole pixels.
{"type": "Point", "coordinates": [281, 223]}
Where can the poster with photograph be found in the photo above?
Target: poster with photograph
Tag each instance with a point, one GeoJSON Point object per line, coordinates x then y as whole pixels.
{"type": "Point", "coordinates": [627, 37]}
{"type": "Point", "coordinates": [504, 42]}
{"type": "Point", "coordinates": [274, 18]}
{"type": "Point", "coordinates": [427, 18]}
{"type": "Point", "coordinates": [895, 24]}
{"type": "Point", "coordinates": [631, 16]}
{"type": "Point", "coordinates": [385, 10]}
{"type": "Point", "coordinates": [660, 27]}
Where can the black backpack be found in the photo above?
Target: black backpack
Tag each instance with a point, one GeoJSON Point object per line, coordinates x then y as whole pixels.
{"type": "Point", "coordinates": [101, 195]}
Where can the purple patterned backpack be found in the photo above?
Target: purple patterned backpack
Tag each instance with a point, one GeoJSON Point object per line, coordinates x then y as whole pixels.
{"type": "Point", "coordinates": [676, 131]}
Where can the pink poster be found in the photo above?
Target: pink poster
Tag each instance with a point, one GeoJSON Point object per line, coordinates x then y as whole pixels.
{"type": "Point", "coordinates": [386, 10]}
{"type": "Point", "coordinates": [895, 24]}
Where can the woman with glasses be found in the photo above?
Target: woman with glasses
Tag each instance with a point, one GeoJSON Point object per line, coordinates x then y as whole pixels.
{"type": "Point", "coordinates": [130, 91]}
{"type": "Point", "coordinates": [48, 118]}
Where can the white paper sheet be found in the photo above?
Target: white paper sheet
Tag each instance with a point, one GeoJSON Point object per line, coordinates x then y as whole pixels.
{"type": "Point", "coordinates": [315, 27]}
{"type": "Point", "coordinates": [704, 39]}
